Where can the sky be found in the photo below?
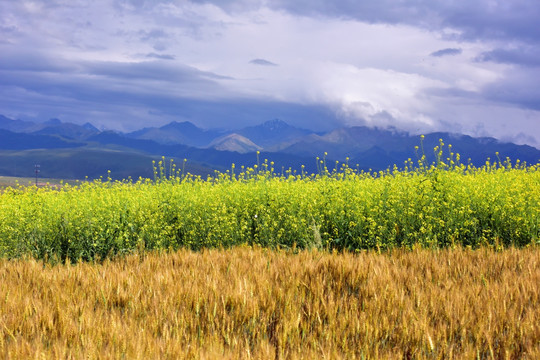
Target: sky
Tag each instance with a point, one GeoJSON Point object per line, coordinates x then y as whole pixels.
{"type": "Point", "coordinates": [470, 67]}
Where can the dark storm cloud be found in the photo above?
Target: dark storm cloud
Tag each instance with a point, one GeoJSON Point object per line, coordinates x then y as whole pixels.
{"type": "Point", "coordinates": [150, 83]}
{"type": "Point", "coordinates": [262, 62]}
{"type": "Point", "coordinates": [476, 19]}
{"type": "Point", "coordinates": [521, 56]}
{"type": "Point", "coordinates": [446, 52]}
{"type": "Point", "coordinates": [39, 64]}
{"type": "Point", "coordinates": [124, 95]}
{"type": "Point", "coordinates": [499, 19]}
{"type": "Point", "coordinates": [521, 89]}
{"type": "Point", "coordinates": [28, 60]}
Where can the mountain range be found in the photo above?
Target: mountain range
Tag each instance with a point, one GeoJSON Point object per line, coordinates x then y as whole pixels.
{"type": "Point", "coordinates": [71, 151]}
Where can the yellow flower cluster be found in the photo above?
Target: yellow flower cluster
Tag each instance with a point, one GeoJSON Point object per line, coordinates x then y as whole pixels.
{"type": "Point", "coordinates": [437, 205]}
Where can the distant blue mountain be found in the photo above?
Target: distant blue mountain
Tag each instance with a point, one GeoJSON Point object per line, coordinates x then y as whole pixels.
{"type": "Point", "coordinates": [285, 145]}
{"type": "Point", "coordinates": [15, 125]}
{"type": "Point", "coordinates": [184, 133]}
{"type": "Point", "coordinates": [269, 135]}
{"type": "Point", "coordinates": [378, 149]}
{"type": "Point", "coordinates": [20, 141]}
{"type": "Point", "coordinates": [49, 127]}
{"type": "Point", "coordinates": [273, 133]}
{"type": "Point", "coordinates": [90, 127]}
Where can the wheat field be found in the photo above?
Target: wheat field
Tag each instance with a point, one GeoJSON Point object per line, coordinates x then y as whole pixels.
{"type": "Point", "coordinates": [255, 303]}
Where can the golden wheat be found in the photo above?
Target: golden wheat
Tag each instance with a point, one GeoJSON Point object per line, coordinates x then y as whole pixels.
{"type": "Point", "coordinates": [262, 304]}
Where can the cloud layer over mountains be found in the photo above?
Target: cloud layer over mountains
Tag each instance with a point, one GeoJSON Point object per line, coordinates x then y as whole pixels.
{"type": "Point", "coordinates": [417, 65]}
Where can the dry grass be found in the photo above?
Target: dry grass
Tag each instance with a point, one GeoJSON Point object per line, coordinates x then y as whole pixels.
{"type": "Point", "coordinates": [256, 303]}
{"type": "Point", "coordinates": [15, 182]}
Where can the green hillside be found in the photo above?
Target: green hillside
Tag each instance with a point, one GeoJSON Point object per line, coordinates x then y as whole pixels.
{"type": "Point", "coordinates": [79, 163]}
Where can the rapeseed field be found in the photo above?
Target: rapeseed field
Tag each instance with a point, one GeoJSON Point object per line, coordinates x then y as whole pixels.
{"type": "Point", "coordinates": [443, 204]}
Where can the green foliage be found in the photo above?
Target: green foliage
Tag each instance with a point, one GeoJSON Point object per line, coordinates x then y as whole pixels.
{"type": "Point", "coordinates": [439, 205]}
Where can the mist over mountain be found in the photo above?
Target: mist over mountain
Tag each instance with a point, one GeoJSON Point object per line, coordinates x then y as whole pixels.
{"type": "Point", "coordinates": [72, 150]}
